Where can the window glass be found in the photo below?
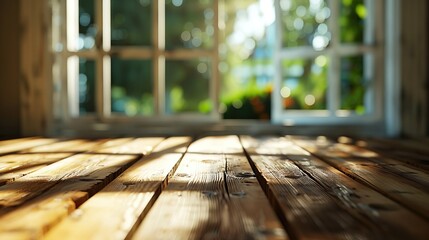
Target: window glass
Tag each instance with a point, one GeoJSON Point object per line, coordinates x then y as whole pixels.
{"type": "Point", "coordinates": [86, 86]}
{"type": "Point", "coordinates": [87, 27]}
{"type": "Point", "coordinates": [131, 22]}
{"type": "Point", "coordinates": [304, 23]}
{"type": "Point", "coordinates": [304, 83]}
{"type": "Point", "coordinates": [187, 86]}
{"type": "Point", "coordinates": [246, 59]}
{"type": "Point", "coordinates": [353, 84]}
{"type": "Point", "coordinates": [352, 17]}
{"type": "Point", "coordinates": [132, 87]}
{"type": "Point", "coordinates": [189, 24]}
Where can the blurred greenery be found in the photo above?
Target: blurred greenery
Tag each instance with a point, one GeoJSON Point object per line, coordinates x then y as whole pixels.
{"type": "Point", "coordinates": [86, 86]}
{"type": "Point", "coordinates": [131, 22]}
{"type": "Point", "coordinates": [305, 83]}
{"type": "Point", "coordinates": [132, 87]}
{"type": "Point", "coordinates": [352, 17]}
{"type": "Point", "coordinates": [187, 86]}
{"type": "Point", "coordinates": [247, 42]}
{"type": "Point", "coordinates": [353, 84]}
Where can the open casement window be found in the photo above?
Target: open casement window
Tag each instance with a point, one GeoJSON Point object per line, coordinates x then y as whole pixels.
{"type": "Point", "coordinates": [328, 66]}
{"type": "Point", "coordinates": [288, 62]}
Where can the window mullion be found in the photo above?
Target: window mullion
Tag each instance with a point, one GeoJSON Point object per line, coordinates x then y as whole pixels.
{"type": "Point", "coordinates": [333, 93]}
{"type": "Point", "coordinates": [102, 78]}
{"type": "Point", "coordinates": [215, 81]}
{"type": "Point", "coordinates": [158, 33]}
{"type": "Point", "coordinates": [369, 37]}
{"type": "Point", "coordinates": [276, 98]}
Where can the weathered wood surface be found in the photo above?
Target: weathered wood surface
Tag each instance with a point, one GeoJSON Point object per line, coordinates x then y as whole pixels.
{"type": "Point", "coordinates": [71, 180]}
{"type": "Point", "coordinates": [14, 166]}
{"type": "Point", "coordinates": [371, 173]}
{"type": "Point", "coordinates": [125, 200]}
{"type": "Point", "coordinates": [224, 187]}
{"type": "Point", "coordinates": [308, 209]}
{"type": "Point", "coordinates": [212, 195]}
{"type": "Point", "coordinates": [379, 211]}
{"type": "Point", "coordinates": [10, 146]}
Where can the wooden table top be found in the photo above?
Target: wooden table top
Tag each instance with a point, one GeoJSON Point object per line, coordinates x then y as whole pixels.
{"type": "Point", "coordinates": [216, 187]}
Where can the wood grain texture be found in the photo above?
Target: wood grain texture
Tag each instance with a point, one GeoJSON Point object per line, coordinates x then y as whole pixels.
{"type": "Point", "coordinates": [35, 85]}
{"type": "Point", "coordinates": [22, 144]}
{"type": "Point", "coordinates": [14, 166]}
{"type": "Point", "coordinates": [414, 176]}
{"type": "Point", "coordinates": [67, 146]}
{"type": "Point", "coordinates": [412, 153]}
{"type": "Point", "coordinates": [308, 210]}
{"type": "Point", "coordinates": [82, 167]}
{"type": "Point", "coordinates": [212, 196]}
{"type": "Point", "coordinates": [122, 203]}
{"type": "Point", "coordinates": [370, 174]}
{"type": "Point", "coordinates": [67, 184]}
{"type": "Point", "coordinates": [131, 146]}
{"type": "Point", "coordinates": [385, 215]}
{"type": "Point", "coordinates": [32, 221]}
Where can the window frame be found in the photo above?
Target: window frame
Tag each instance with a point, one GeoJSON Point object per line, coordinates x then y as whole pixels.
{"type": "Point", "coordinates": [65, 123]}
{"type": "Point", "coordinates": [102, 53]}
{"type": "Point", "coordinates": [370, 49]}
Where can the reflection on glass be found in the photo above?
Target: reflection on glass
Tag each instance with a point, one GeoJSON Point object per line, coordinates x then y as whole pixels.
{"type": "Point", "coordinates": [189, 24]}
{"type": "Point", "coordinates": [132, 87]}
{"type": "Point", "coordinates": [305, 23]}
{"type": "Point", "coordinates": [352, 17]}
{"type": "Point", "coordinates": [86, 86]}
{"type": "Point", "coordinates": [87, 28]}
{"type": "Point", "coordinates": [246, 59]}
{"type": "Point", "coordinates": [187, 86]}
{"type": "Point", "coordinates": [304, 83]}
{"type": "Point", "coordinates": [131, 22]}
{"type": "Point", "coordinates": [353, 84]}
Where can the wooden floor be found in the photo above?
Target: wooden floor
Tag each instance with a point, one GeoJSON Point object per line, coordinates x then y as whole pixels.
{"type": "Point", "coordinates": [225, 187]}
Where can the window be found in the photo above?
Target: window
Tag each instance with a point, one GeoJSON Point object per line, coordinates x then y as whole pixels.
{"type": "Point", "coordinates": [291, 61]}
{"type": "Point", "coordinates": [326, 62]}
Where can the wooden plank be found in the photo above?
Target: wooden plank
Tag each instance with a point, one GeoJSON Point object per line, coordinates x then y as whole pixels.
{"type": "Point", "coordinates": [212, 196]}
{"type": "Point", "coordinates": [415, 176]}
{"type": "Point", "coordinates": [77, 167]}
{"type": "Point", "coordinates": [70, 146]}
{"type": "Point", "coordinates": [134, 146]}
{"type": "Point", "coordinates": [370, 174]}
{"type": "Point", "coordinates": [14, 141]}
{"type": "Point", "coordinates": [125, 200]}
{"type": "Point", "coordinates": [410, 154]}
{"type": "Point", "coordinates": [32, 221]}
{"type": "Point", "coordinates": [380, 211]}
{"type": "Point", "coordinates": [89, 170]}
{"type": "Point", "coordinates": [22, 144]}
{"type": "Point", "coordinates": [13, 166]}
{"type": "Point", "coordinates": [308, 210]}
{"type": "Point", "coordinates": [71, 181]}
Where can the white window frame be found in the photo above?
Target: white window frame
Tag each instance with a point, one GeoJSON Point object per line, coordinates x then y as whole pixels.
{"type": "Point", "coordinates": [102, 54]}
{"type": "Point", "coordinates": [371, 49]}
{"type": "Point", "coordinates": [67, 122]}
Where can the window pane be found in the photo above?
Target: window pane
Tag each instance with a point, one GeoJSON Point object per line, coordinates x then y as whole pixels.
{"type": "Point", "coordinates": [246, 59]}
{"type": "Point", "coordinates": [131, 22]}
{"type": "Point", "coordinates": [132, 87]}
{"type": "Point", "coordinates": [87, 28]}
{"type": "Point", "coordinates": [305, 83]}
{"type": "Point", "coordinates": [86, 86]}
{"type": "Point", "coordinates": [187, 86]}
{"type": "Point", "coordinates": [305, 23]}
{"type": "Point", "coordinates": [353, 84]}
{"type": "Point", "coordinates": [352, 18]}
{"type": "Point", "coordinates": [189, 24]}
